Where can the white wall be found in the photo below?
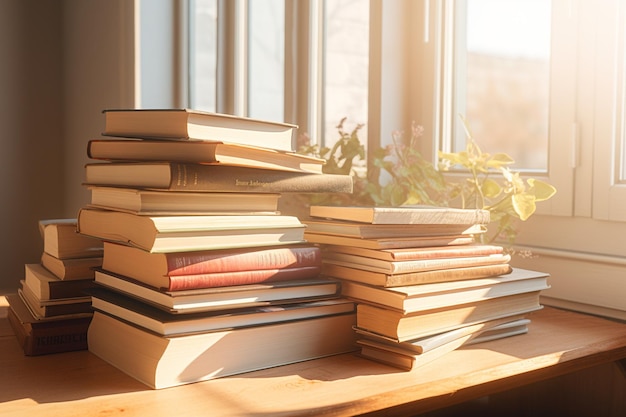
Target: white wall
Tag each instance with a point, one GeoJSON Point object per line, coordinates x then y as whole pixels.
{"type": "Point", "coordinates": [62, 63]}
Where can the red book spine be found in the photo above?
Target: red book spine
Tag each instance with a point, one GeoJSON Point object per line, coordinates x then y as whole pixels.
{"type": "Point", "coordinates": [249, 259]}
{"type": "Point", "coordinates": [255, 276]}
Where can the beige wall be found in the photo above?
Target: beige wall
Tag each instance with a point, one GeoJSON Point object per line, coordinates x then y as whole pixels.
{"type": "Point", "coordinates": [62, 62]}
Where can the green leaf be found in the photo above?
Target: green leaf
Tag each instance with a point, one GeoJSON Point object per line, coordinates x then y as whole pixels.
{"type": "Point", "coordinates": [491, 188]}
{"type": "Point", "coordinates": [541, 189]}
{"type": "Point", "coordinates": [524, 205]}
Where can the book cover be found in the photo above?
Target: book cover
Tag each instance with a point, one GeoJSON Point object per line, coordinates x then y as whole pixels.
{"type": "Point", "coordinates": [396, 355]}
{"type": "Point", "coordinates": [413, 253]}
{"type": "Point", "coordinates": [161, 362]}
{"type": "Point", "coordinates": [175, 176]}
{"type": "Point", "coordinates": [424, 344]}
{"type": "Point", "coordinates": [390, 242]}
{"type": "Point", "coordinates": [409, 266]}
{"type": "Point", "coordinates": [61, 240]}
{"type": "Point", "coordinates": [220, 298]}
{"type": "Point", "coordinates": [189, 233]}
{"type": "Point", "coordinates": [378, 231]}
{"type": "Point", "coordinates": [47, 286]}
{"type": "Point", "coordinates": [74, 306]}
{"type": "Point", "coordinates": [415, 214]}
{"type": "Point", "coordinates": [186, 270]}
{"type": "Point", "coordinates": [166, 324]}
{"type": "Point", "coordinates": [43, 337]}
{"type": "Point", "coordinates": [201, 152]}
{"type": "Point", "coordinates": [382, 279]}
{"type": "Point", "coordinates": [190, 124]}
{"type": "Point", "coordinates": [152, 202]}
{"type": "Point", "coordinates": [416, 298]}
{"type": "Point", "coordinates": [400, 326]}
{"type": "Point", "coordinates": [70, 269]}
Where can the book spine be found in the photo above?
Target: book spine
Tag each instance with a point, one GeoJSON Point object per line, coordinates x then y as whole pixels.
{"type": "Point", "coordinates": [223, 279]}
{"type": "Point", "coordinates": [462, 251]}
{"type": "Point", "coordinates": [197, 177]}
{"type": "Point", "coordinates": [443, 275]}
{"type": "Point", "coordinates": [57, 290]}
{"type": "Point", "coordinates": [54, 339]}
{"type": "Point", "coordinates": [193, 263]}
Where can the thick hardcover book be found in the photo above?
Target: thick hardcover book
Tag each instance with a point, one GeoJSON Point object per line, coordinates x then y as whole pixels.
{"type": "Point", "coordinates": [189, 124]}
{"type": "Point", "coordinates": [61, 240]}
{"type": "Point", "coordinates": [54, 307]}
{"type": "Point", "coordinates": [190, 233]}
{"type": "Point", "coordinates": [151, 202]}
{"type": "Point", "coordinates": [396, 231]}
{"type": "Point", "coordinates": [390, 242]}
{"type": "Point", "coordinates": [484, 330]}
{"type": "Point", "coordinates": [47, 286]}
{"type": "Point", "coordinates": [220, 298]}
{"type": "Point", "coordinates": [69, 269]}
{"type": "Point", "coordinates": [416, 298]}
{"type": "Point", "coordinates": [401, 327]}
{"type": "Point", "coordinates": [167, 324]}
{"type": "Point", "coordinates": [415, 253]}
{"type": "Point", "coordinates": [415, 265]}
{"type": "Point", "coordinates": [383, 279]}
{"type": "Point", "coordinates": [419, 214]}
{"type": "Point", "coordinates": [42, 337]}
{"type": "Point", "coordinates": [212, 178]}
{"type": "Point", "coordinates": [199, 152]}
{"type": "Point", "coordinates": [161, 362]}
{"type": "Point", "coordinates": [197, 269]}
{"type": "Point", "coordinates": [396, 355]}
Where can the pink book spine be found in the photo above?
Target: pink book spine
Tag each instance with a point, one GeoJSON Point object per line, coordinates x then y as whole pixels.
{"type": "Point", "coordinates": [256, 276]}
{"type": "Point", "coordinates": [246, 260]}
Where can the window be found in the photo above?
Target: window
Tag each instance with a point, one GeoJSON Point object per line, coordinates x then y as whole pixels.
{"type": "Point", "coordinates": [562, 90]}
{"type": "Point", "coordinates": [244, 67]}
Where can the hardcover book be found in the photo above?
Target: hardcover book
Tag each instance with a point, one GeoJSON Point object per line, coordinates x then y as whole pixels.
{"type": "Point", "coordinates": [400, 326]}
{"type": "Point", "coordinates": [166, 324]}
{"type": "Point", "coordinates": [200, 152]}
{"type": "Point", "coordinates": [416, 214]}
{"type": "Point", "coordinates": [152, 202]}
{"type": "Point", "coordinates": [175, 176]}
{"type": "Point", "coordinates": [383, 279]}
{"type": "Point", "coordinates": [189, 124]}
{"type": "Point", "coordinates": [46, 336]}
{"type": "Point", "coordinates": [161, 362]}
{"type": "Point", "coordinates": [416, 298]}
{"type": "Point", "coordinates": [390, 231]}
{"type": "Point", "coordinates": [414, 253]}
{"type": "Point", "coordinates": [390, 242]}
{"type": "Point", "coordinates": [415, 265]}
{"type": "Point", "coordinates": [61, 240]}
{"type": "Point", "coordinates": [190, 233]}
{"type": "Point", "coordinates": [46, 286]}
{"type": "Point", "coordinates": [220, 298]}
{"type": "Point", "coordinates": [69, 269]}
{"type": "Point", "coordinates": [398, 355]}
{"type": "Point", "coordinates": [197, 269]}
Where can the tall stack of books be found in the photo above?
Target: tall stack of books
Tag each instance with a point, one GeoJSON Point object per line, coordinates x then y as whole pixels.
{"type": "Point", "coordinates": [51, 311]}
{"type": "Point", "coordinates": [202, 276]}
{"type": "Point", "coordinates": [422, 284]}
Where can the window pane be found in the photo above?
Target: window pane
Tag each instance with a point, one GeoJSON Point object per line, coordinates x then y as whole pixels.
{"type": "Point", "coordinates": [346, 60]}
{"type": "Point", "coordinates": [504, 94]}
{"type": "Point", "coordinates": [203, 54]}
{"type": "Point", "coordinates": [266, 55]}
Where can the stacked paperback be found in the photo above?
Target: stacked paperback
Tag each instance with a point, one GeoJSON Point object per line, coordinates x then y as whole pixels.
{"type": "Point", "coordinates": [52, 310]}
{"type": "Point", "coordinates": [202, 276]}
{"type": "Point", "coordinates": [422, 284]}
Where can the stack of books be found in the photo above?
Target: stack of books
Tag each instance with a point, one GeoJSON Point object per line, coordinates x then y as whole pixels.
{"type": "Point", "coordinates": [422, 283]}
{"type": "Point", "coordinates": [51, 311]}
{"type": "Point", "coordinates": [202, 276]}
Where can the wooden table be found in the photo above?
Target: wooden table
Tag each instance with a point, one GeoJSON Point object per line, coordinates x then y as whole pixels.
{"type": "Point", "coordinates": [80, 384]}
